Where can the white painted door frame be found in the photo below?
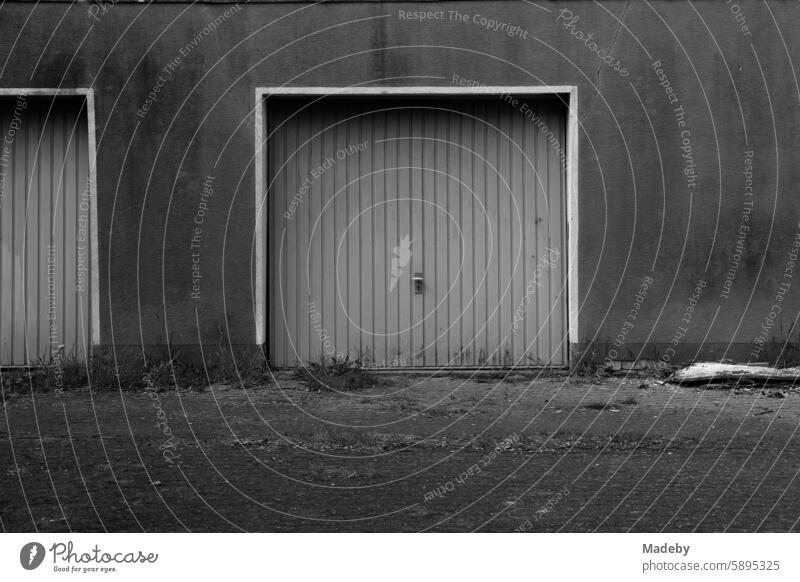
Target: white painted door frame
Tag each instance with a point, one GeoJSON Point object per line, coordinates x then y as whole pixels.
{"type": "Point", "coordinates": [570, 92]}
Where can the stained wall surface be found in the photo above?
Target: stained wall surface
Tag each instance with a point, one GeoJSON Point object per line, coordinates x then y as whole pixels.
{"type": "Point", "coordinates": [686, 170]}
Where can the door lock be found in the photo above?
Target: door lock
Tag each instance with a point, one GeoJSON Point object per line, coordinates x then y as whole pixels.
{"type": "Point", "coordinates": [419, 283]}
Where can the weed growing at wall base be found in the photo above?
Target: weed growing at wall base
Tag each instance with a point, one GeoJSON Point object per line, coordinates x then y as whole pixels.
{"type": "Point", "coordinates": [128, 371]}
{"type": "Point", "coordinates": [336, 375]}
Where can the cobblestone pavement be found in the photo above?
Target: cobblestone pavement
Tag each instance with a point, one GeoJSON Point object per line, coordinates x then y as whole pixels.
{"type": "Point", "coordinates": [446, 454]}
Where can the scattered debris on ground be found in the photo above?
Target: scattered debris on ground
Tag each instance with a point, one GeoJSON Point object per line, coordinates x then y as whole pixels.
{"type": "Point", "coordinates": [717, 372]}
{"type": "Point", "coordinates": [335, 375]}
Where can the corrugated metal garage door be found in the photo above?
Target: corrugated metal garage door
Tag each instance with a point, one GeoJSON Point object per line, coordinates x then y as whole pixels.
{"type": "Point", "coordinates": [44, 228]}
{"type": "Point", "coordinates": [467, 195]}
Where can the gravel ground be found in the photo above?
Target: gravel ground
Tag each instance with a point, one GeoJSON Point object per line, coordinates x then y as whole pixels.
{"type": "Point", "coordinates": [555, 453]}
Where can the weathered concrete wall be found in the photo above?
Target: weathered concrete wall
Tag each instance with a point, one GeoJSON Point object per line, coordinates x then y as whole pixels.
{"type": "Point", "coordinates": [643, 215]}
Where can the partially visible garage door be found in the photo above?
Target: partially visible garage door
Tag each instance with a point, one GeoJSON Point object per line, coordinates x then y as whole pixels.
{"type": "Point", "coordinates": [44, 229]}
{"type": "Point", "coordinates": [408, 233]}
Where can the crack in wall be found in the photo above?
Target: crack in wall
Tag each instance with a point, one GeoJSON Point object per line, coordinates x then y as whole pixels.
{"type": "Point", "coordinates": [599, 71]}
